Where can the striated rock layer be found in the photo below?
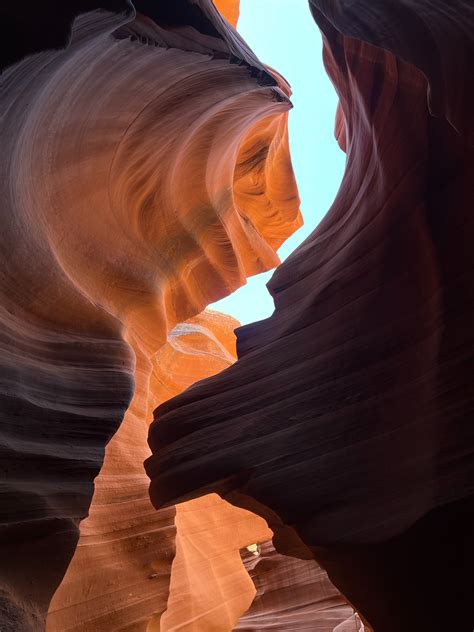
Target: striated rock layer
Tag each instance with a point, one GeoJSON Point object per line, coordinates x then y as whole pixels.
{"type": "Point", "coordinates": [137, 569]}
{"type": "Point", "coordinates": [119, 578]}
{"type": "Point", "coordinates": [145, 173]}
{"type": "Point", "coordinates": [348, 417]}
{"type": "Point", "coordinates": [210, 588]}
{"type": "Point", "coordinates": [229, 9]}
{"type": "Point", "coordinates": [294, 595]}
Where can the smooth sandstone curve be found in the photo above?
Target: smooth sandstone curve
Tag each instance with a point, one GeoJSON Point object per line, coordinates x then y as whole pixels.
{"type": "Point", "coordinates": [294, 595]}
{"type": "Point", "coordinates": [128, 553]}
{"type": "Point", "coordinates": [348, 415]}
{"type": "Point", "coordinates": [145, 173]}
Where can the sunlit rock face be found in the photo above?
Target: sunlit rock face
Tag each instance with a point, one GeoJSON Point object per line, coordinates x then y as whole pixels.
{"type": "Point", "coordinates": [145, 173]}
{"type": "Point", "coordinates": [348, 416]}
{"type": "Point", "coordinates": [139, 569]}
{"type": "Point", "coordinates": [132, 563]}
{"type": "Point", "coordinates": [229, 9]}
{"type": "Point", "coordinates": [210, 588]}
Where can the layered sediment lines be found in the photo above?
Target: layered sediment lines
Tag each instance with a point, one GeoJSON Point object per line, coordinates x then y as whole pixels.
{"type": "Point", "coordinates": [139, 569]}
{"type": "Point", "coordinates": [346, 422]}
{"type": "Point", "coordinates": [132, 562]}
{"type": "Point", "coordinates": [145, 173]}
{"type": "Point", "coordinates": [293, 594]}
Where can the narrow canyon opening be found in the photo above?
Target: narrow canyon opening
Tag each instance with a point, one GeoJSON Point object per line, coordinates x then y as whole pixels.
{"type": "Point", "coordinates": [287, 42]}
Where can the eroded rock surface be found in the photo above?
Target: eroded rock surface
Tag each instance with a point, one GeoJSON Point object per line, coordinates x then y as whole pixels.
{"type": "Point", "coordinates": [348, 416]}
{"type": "Point", "coordinates": [145, 173]}
{"type": "Point", "coordinates": [293, 594]}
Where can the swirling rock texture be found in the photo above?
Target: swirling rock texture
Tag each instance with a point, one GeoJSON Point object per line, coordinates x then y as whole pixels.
{"type": "Point", "coordinates": [133, 564]}
{"type": "Point", "coordinates": [145, 173]}
{"type": "Point", "coordinates": [293, 594]}
{"type": "Point", "coordinates": [119, 578]}
{"type": "Point", "coordinates": [347, 421]}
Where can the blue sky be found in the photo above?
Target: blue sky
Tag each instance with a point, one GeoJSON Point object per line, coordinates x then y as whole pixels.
{"type": "Point", "coordinates": [283, 34]}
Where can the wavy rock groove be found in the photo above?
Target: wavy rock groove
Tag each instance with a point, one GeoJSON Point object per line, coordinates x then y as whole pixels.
{"type": "Point", "coordinates": [145, 173]}
{"type": "Point", "coordinates": [142, 570]}
{"type": "Point", "coordinates": [347, 421]}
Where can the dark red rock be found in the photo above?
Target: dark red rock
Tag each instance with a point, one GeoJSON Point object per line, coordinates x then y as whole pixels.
{"type": "Point", "coordinates": [349, 413]}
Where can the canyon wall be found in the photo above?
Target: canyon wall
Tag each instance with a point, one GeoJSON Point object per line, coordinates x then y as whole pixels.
{"type": "Point", "coordinates": [145, 173]}
{"type": "Point", "coordinates": [136, 569]}
{"type": "Point", "coordinates": [128, 553]}
{"type": "Point", "coordinates": [293, 594]}
{"type": "Point", "coordinates": [347, 421]}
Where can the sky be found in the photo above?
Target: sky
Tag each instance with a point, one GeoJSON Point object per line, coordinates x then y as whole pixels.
{"type": "Point", "coordinates": [284, 35]}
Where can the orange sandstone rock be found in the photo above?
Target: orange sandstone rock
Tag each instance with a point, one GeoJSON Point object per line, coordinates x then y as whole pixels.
{"type": "Point", "coordinates": [230, 9]}
{"type": "Point", "coordinates": [120, 574]}
{"type": "Point", "coordinates": [349, 412]}
{"type": "Point", "coordinates": [210, 587]}
{"type": "Point", "coordinates": [143, 158]}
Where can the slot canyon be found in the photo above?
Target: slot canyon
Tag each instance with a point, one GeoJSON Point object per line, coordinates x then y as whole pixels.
{"type": "Point", "coordinates": [163, 467]}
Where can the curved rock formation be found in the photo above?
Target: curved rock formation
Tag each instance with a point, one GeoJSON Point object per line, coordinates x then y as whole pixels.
{"type": "Point", "coordinates": [120, 574]}
{"type": "Point", "coordinates": [348, 415]}
{"type": "Point", "coordinates": [119, 578]}
{"type": "Point", "coordinates": [210, 588]}
{"type": "Point", "coordinates": [145, 173]}
{"type": "Point", "coordinates": [294, 595]}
